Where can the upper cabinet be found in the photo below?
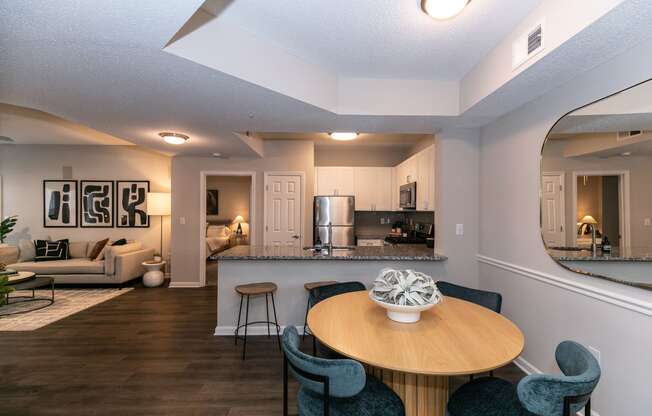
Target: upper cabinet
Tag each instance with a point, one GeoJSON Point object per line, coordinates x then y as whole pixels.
{"type": "Point", "coordinates": [334, 181]}
{"type": "Point", "coordinates": [373, 189]}
{"type": "Point", "coordinates": [377, 188]}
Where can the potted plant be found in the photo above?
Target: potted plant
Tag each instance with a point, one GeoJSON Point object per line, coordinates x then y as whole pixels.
{"type": "Point", "coordinates": [405, 294]}
{"type": "Point", "coordinates": [6, 227]}
{"type": "Point", "coordinates": [157, 257]}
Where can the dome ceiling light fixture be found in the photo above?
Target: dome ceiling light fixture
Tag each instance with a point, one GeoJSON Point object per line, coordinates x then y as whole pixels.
{"type": "Point", "coordinates": [173, 138]}
{"type": "Point", "coordinates": [5, 139]}
{"type": "Point", "coordinates": [343, 136]}
{"type": "Point", "coordinates": [443, 9]}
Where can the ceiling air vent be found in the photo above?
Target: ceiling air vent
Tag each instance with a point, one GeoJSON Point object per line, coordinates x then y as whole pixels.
{"type": "Point", "coordinates": [528, 45]}
{"type": "Point", "coordinates": [627, 135]}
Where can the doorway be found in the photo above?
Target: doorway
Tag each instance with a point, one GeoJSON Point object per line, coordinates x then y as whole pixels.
{"type": "Point", "coordinates": [553, 208]}
{"type": "Point", "coordinates": [227, 217]}
{"type": "Point", "coordinates": [601, 200]}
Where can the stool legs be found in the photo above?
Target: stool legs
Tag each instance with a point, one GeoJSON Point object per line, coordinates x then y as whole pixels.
{"type": "Point", "coordinates": [278, 337]}
{"type": "Point", "coordinates": [305, 321]}
{"type": "Point", "coordinates": [247, 323]}
{"type": "Point", "coordinates": [244, 348]}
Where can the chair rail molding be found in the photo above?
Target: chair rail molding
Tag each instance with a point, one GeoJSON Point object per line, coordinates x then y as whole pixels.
{"type": "Point", "coordinates": [623, 301]}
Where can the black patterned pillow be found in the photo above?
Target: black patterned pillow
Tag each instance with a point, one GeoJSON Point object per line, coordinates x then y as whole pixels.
{"type": "Point", "coordinates": [51, 250]}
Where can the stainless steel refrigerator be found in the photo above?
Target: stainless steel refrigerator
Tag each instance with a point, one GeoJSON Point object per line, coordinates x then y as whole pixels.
{"type": "Point", "coordinates": [339, 212]}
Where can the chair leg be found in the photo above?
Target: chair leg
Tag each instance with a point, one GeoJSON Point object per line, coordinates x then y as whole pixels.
{"type": "Point", "coordinates": [237, 328]}
{"type": "Point", "coordinates": [314, 346]}
{"type": "Point", "coordinates": [278, 335]}
{"type": "Point", "coordinates": [587, 408]}
{"type": "Point", "coordinates": [491, 373]}
{"type": "Point", "coordinates": [244, 348]}
{"type": "Point", "coordinates": [285, 385]}
{"type": "Point", "coordinates": [267, 313]}
{"type": "Point", "coordinates": [305, 321]}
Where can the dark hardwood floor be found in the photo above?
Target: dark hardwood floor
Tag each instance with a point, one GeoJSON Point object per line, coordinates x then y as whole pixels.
{"type": "Point", "coordinates": [147, 352]}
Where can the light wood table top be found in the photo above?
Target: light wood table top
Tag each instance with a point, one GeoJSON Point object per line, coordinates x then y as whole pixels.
{"type": "Point", "coordinates": [21, 277]}
{"type": "Point", "coordinates": [454, 337]}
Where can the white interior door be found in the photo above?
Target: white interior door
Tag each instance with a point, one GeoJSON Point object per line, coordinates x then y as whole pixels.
{"type": "Point", "coordinates": [552, 210]}
{"type": "Point", "coordinates": [283, 214]}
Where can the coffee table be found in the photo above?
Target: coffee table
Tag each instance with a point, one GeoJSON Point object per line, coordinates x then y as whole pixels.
{"type": "Point", "coordinates": [28, 281]}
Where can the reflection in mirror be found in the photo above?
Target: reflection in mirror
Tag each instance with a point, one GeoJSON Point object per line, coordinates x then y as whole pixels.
{"type": "Point", "coordinates": [596, 188]}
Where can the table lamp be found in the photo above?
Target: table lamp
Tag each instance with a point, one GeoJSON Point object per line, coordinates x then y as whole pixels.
{"type": "Point", "coordinates": [588, 219]}
{"type": "Point", "coordinates": [239, 220]}
{"type": "Point", "coordinates": [159, 204]}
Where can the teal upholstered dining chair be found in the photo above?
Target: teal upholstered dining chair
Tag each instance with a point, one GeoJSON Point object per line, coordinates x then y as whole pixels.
{"type": "Point", "coordinates": [490, 300]}
{"type": "Point", "coordinates": [334, 387]}
{"type": "Point", "coordinates": [321, 293]}
{"type": "Point", "coordinates": [537, 394]}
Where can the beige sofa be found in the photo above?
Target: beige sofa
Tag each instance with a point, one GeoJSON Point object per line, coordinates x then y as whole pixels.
{"type": "Point", "coordinates": [120, 264]}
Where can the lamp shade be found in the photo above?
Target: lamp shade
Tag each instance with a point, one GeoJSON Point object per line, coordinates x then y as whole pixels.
{"type": "Point", "coordinates": [159, 203]}
{"type": "Point", "coordinates": [238, 220]}
{"type": "Point", "coordinates": [588, 220]}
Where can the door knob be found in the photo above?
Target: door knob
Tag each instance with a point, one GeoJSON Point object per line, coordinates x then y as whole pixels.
{"type": "Point", "coordinates": [296, 237]}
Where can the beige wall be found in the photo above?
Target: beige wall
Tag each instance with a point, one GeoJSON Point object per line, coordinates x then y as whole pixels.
{"type": "Point", "coordinates": [382, 156]}
{"type": "Point", "coordinates": [548, 302]}
{"type": "Point", "coordinates": [589, 199]}
{"type": "Point", "coordinates": [233, 197]}
{"type": "Point", "coordinates": [24, 167]}
{"type": "Point", "coordinates": [280, 155]}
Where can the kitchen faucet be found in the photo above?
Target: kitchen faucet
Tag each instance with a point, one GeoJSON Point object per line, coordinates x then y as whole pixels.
{"type": "Point", "coordinates": [330, 238]}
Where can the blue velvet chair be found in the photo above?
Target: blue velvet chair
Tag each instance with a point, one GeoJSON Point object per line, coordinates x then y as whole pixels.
{"type": "Point", "coordinates": [490, 300]}
{"type": "Point", "coordinates": [321, 293]}
{"type": "Point", "coordinates": [536, 394]}
{"type": "Point", "coordinates": [334, 387]}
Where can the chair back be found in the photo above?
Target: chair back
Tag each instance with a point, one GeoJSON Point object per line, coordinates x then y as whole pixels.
{"type": "Point", "coordinates": [345, 378]}
{"type": "Point", "coordinates": [566, 394]}
{"type": "Point", "coordinates": [490, 300]}
{"type": "Point", "coordinates": [324, 292]}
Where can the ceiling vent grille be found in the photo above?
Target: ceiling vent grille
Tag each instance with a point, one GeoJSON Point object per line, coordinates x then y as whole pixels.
{"type": "Point", "coordinates": [628, 135]}
{"type": "Point", "coordinates": [528, 45]}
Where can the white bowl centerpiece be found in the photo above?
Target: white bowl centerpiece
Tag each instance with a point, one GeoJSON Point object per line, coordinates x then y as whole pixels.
{"type": "Point", "coordinates": [405, 294]}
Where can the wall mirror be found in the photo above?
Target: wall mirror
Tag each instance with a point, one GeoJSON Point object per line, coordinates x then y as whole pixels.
{"type": "Point", "coordinates": [596, 188]}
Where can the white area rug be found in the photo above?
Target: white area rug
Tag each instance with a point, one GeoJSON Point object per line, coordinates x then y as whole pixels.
{"type": "Point", "coordinates": [67, 302]}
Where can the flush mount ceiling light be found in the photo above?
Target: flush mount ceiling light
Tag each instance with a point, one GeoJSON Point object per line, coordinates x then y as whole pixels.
{"type": "Point", "coordinates": [343, 136]}
{"type": "Point", "coordinates": [443, 9]}
{"type": "Point", "coordinates": [173, 138]}
{"type": "Point", "coordinates": [5, 139]}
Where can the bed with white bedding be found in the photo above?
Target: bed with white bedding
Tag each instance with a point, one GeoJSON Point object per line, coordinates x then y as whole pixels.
{"type": "Point", "coordinates": [218, 239]}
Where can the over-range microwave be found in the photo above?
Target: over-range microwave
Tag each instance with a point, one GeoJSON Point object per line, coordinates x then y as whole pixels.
{"type": "Point", "coordinates": [408, 196]}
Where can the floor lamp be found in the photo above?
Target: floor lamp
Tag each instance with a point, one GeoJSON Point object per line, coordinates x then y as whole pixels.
{"type": "Point", "coordinates": [159, 204]}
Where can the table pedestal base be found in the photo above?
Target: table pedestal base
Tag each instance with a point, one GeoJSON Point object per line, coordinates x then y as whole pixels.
{"type": "Point", "coordinates": [422, 395]}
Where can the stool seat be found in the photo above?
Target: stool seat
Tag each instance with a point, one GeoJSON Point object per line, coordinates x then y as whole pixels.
{"type": "Point", "coordinates": [312, 285]}
{"type": "Point", "coordinates": [253, 289]}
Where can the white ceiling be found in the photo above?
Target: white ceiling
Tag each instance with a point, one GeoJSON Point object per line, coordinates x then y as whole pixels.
{"type": "Point", "coordinates": [379, 38]}
{"type": "Point", "coordinates": [363, 139]}
{"type": "Point", "coordinates": [102, 65]}
{"type": "Point", "coordinates": [28, 126]}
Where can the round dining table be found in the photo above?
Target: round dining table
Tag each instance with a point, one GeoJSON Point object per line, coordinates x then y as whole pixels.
{"type": "Point", "coordinates": [415, 360]}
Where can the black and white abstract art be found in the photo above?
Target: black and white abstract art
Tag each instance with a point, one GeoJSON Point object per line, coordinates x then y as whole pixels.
{"type": "Point", "coordinates": [132, 204]}
{"type": "Point", "coordinates": [97, 204]}
{"type": "Point", "coordinates": [59, 203]}
{"type": "Point", "coordinates": [212, 202]}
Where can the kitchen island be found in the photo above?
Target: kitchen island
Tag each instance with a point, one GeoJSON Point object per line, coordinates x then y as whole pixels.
{"type": "Point", "coordinates": [290, 268]}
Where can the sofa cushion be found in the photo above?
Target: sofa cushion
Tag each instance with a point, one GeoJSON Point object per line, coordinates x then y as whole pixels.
{"type": "Point", "coordinates": [8, 254]}
{"type": "Point", "coordinates": [72, 266]}
{"type": "Point", "coordinates": [27, 250]}
{"type": "Point", "coordinates": [52, 250]}
{"type": "Point", "coordinates": [78, 249]}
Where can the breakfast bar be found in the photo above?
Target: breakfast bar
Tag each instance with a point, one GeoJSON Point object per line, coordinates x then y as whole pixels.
{"type": "Point", "coordinates": [290, 268]}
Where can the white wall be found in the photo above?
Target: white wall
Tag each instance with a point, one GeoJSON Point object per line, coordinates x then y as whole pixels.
{"type": "Point", "coordinates": [233, 197]}
{"type": "Point", "coordinates": [549, 303]}
{"type": "Point", "coordinates": [280, 155]}
{"type": "Point", "coordinates": [24, 167]}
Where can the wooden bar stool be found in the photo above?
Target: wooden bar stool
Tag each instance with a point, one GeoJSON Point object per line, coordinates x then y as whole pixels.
{"type": "Point", "coordinates": [256, 289]}
{"type": "Point", "coordinates": [310, 286]}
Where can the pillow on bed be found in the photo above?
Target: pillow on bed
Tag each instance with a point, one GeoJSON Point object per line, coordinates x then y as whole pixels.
{"type": "Point", "coordinates": [218, 231]}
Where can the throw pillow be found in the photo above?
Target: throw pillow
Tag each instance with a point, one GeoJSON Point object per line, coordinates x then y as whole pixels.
{"type": "Point", "coordinates": [27, 250]}
{"type": "Point", "coordinates": [97, 253]}
{"type": "Point", "coordinates": [78, 249]}
{"type": "Point", "coordinates": [120, 242]}
{"type": "Point", "coordinates": [51, 250]}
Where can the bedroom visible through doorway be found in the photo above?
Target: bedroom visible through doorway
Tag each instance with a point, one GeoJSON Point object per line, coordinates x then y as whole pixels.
{"type": "Point", "coordinates": [227, 210]}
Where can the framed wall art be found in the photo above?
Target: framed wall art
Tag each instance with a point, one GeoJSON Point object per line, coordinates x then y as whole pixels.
{"type": "Point", "coordinates": [131, 209]}
{"type": "Point", "coordinates": [97, 204]}
{"type": "Point", "coordinates": [59, 203]}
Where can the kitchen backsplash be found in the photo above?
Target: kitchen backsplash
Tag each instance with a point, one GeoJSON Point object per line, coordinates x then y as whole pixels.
{"type": "Point", "coordinates": [368, 223]}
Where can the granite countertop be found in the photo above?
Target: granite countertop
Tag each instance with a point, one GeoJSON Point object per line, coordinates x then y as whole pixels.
{"type": "Point", "coordinates": [403, 252]}
{"type": "Point", "coordinates": [633, 254]}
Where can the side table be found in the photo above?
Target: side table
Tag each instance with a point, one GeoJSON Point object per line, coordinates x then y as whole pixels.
{"type": "Point", "coordinates": [153, 277]}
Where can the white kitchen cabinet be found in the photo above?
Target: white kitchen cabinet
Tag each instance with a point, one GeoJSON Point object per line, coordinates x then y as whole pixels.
{"type": "Point", "coordinates": [425, 179]}
{"type": "Point", "coordinates": [373, 188]}
{"type": "Point", "coordinates": [334, 180]}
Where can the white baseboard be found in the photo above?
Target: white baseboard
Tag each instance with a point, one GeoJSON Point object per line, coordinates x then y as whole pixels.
{"type": "Point", "coordinates": [529, 368]}
{"type": "Point", "coordinates": [184, 285]}
{"type": "Point", "coordinates": [252, 330]}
